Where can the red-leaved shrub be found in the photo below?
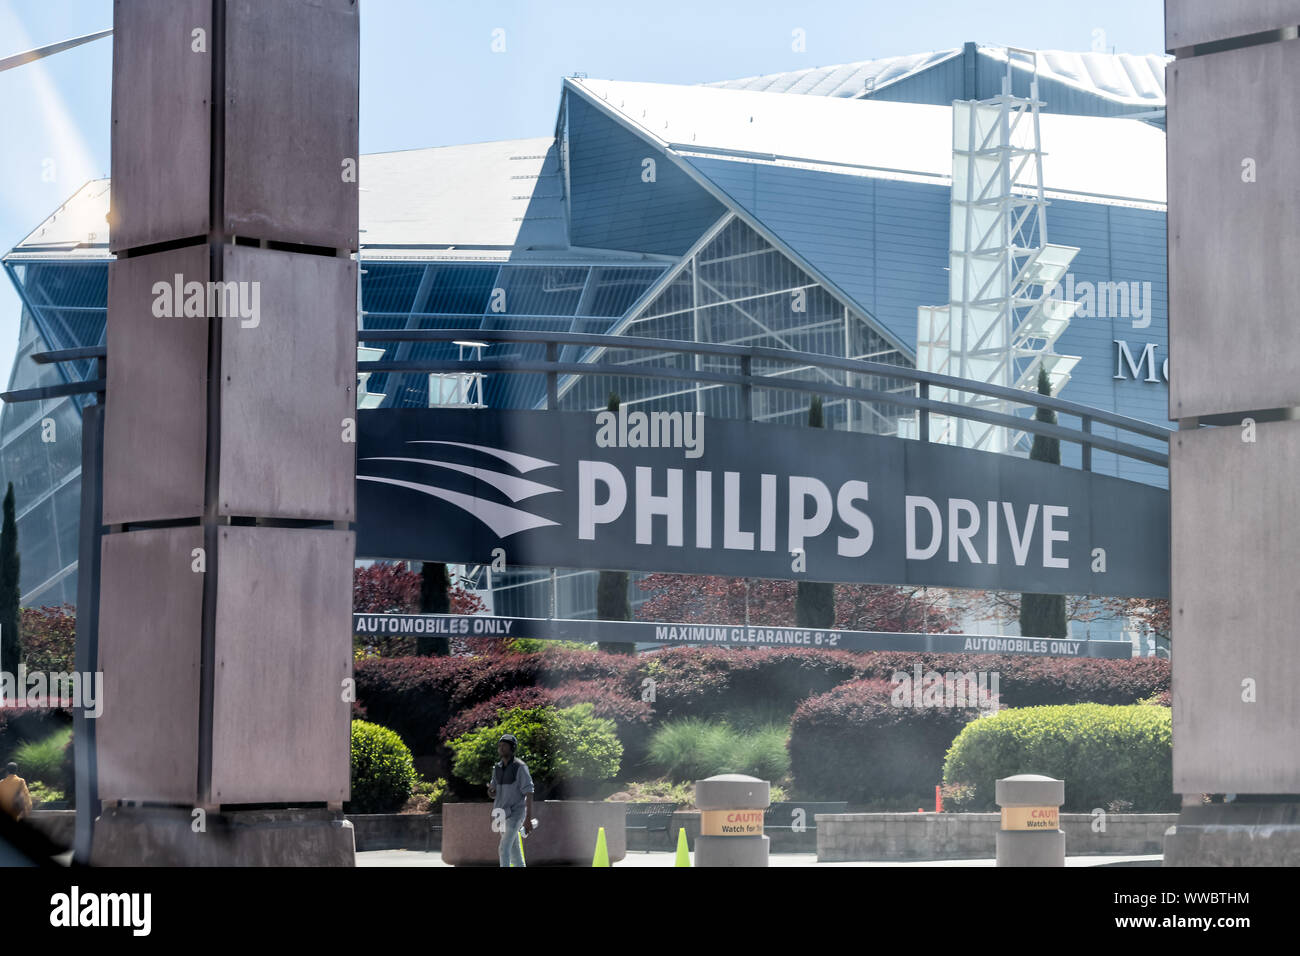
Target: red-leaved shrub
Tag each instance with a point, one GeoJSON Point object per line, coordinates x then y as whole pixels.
{"type": "Point", "coordinates": [854, 744]}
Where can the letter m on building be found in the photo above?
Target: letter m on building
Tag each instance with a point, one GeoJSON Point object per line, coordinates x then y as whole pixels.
{"type": "Point", "coordinates": [1124, 357]}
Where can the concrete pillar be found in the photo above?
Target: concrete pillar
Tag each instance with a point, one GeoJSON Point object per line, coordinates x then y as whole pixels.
{"type": "Point", "coordinates": [229, 458]}
{"type": "Point", "coordinates": [1235, 504]}
{"type": "Point", "coordinates": [1031, 833]}
{"type": "Point", "coordinates": [731, 809]}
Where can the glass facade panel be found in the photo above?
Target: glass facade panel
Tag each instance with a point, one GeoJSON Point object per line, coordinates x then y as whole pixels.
{"type": "Point", "coordinates": [40, 452]}
{"type": "Point", "coordinates": [537, 298]}
{"type": "Point", "coordinates": [739, 290]}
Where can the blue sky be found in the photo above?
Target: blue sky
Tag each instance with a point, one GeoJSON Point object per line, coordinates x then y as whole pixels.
{"type": "Point", "coordinates": [429, 76]}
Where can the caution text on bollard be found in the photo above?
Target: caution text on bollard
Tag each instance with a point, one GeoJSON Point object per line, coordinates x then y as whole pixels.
{"type": "Point", "coordinates": [1031, 833]}
{"type": "Point", "coordinates": [731, 821]}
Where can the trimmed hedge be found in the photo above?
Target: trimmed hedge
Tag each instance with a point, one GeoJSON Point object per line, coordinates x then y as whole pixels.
{"type": "Point", "coordinates": [418, 696]}
{"type": "Point", "coordinates": [631, 715]}
{"type": "Point", "coordinates": [1026, 681]}
{"type": "Point", "coordinates": [429, 700]}
{"type": "Point", "coordinates": [567, 747]}
{"type": "Point", "coordinates": [383, 773]}
{"type": "Point", "coordinates": [854, 744]}
{"type": "Point", "coordinates": [716, 681]}
{"type": "Point", "coordinates": [1106, 755]}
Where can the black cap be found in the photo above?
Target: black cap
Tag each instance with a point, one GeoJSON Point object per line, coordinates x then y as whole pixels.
{"type": "Point", "coordinates": [510, 739]}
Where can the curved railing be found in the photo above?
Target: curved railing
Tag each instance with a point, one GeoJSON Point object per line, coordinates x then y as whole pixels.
{"type": "Point", "coordinates": [745, 380]}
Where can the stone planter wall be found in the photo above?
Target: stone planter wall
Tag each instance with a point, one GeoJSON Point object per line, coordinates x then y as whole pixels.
{"type": "Point", "coordinates": [957, 836]}
{"type": "Point", "coordinates": [565, 835]}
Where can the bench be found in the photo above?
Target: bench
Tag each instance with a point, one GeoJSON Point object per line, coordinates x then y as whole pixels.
{"type": "Point", "coordinates": [651, 817]}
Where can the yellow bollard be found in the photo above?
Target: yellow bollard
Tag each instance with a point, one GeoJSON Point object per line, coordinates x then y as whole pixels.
{"type": "Point", "coordinates": [521, 848]}
{"type": "Point", "coordinates": [683, 851]}
{"type": "Point", "coordinates": [602, 851]}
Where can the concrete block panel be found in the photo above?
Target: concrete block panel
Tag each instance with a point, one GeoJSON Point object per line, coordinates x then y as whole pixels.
{"type": "Point", "coordinates": [155, 426]}
{"type": "Point", "coordinates": [288, 382]}
{"type": "Point", "coordinates": [283, 648]}
{"type": "Point", "coordinates": [1233, 244]}
{"type": "Point", "coordinates": [1235, 508]}
{"type": "Point", "coordinates": [1189, 22]}
{"type": "Point", "coordinates": [151, 605]}
{"type": "Point", "coordinates": [162, 90]}
{"type": "Point", "coordinates": [292, 70]}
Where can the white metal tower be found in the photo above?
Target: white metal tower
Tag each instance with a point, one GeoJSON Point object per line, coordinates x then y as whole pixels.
{"type": "Point", "coordinates": [1001, 322]}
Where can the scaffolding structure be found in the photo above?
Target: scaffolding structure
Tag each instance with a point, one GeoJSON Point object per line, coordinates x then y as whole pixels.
{"type": "Point", "coordinates": [1002, 322]}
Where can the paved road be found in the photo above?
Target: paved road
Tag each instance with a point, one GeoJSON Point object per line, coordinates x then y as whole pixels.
{"type": "Point", "coordinates": [663, 858]}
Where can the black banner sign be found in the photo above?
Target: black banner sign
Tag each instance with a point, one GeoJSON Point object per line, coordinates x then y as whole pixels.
{"type": "Point", "coordinates": [675, 492]}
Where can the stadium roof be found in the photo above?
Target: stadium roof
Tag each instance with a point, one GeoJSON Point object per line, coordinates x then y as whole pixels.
{"type": "Point", "coordinates": [490, 201]}
{"type": "Point", "coordinates": [1134, 80]}
{"type": "Point", "coordinates": [846, 80]}
{"type": "Point", "coordinates": [1087, 157]}
{"type": "Point", "coordinates": [78, 228]}
{"type": "Point", "coordinates": [503, 200]}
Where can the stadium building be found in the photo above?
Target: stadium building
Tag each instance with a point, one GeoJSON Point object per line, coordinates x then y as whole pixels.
{"type": "Point", "coordinates": [811, 211]}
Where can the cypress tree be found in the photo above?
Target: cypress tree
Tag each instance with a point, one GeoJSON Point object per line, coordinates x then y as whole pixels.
{"type": "Point", "coordinates": [612, 602]}
{"type": "Point", "coordinates": [10, 644]}
{"type": "Point", "coordinates": [1043, 615]}
{"type": "Point", "coordinates": [435, 585]}
{"type": "Point", "coordinates": [814, 601]}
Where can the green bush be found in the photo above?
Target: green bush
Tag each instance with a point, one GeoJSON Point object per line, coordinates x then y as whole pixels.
{"type": "Point", "coordinates": [383, 772]}
{"type": "Point", "coordinates": [43, 759]}
{"type": "Point", "coordinates": [42, 794]}
{"type": "Point", "coordinates": [529, 645]}
{"type": "Point", "coordinates": [1106, 755]}
{"type": "Point", "coordinates": [693, 748]}
{"type": "Point", "coordinates": [427, 797]}
{"type": "Point", "coordinates": [566, 746]}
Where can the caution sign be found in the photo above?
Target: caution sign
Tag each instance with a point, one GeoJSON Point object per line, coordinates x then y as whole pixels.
{"type": "Point", "coordinates": [1031, 818]}
{"type": "Point", "coordinates": [731, 823]}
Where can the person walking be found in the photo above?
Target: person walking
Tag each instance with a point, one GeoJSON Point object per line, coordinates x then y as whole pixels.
{"type": "Point", "coordinates": [14, 798]}
{"type": "Point", "coordinates": [511, 789]}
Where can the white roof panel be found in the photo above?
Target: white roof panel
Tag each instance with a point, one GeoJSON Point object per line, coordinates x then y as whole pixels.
{"type": "Point", "coordinates": [1119, 77]}
{"type": "Point", "coordinates": [500, 194]}
{"type": "Point", "coordinates": [488, 201]}
{"type": "Point", "coordinates": [845, 80]}
{"type": "Point", "coordinates": [77, 228]}
{"type": "Point", "coordinates": [1102, 158]}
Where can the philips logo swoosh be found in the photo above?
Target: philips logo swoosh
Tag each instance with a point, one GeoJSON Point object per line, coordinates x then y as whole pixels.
{"type": "Point", "coordinates": [501, 519]}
